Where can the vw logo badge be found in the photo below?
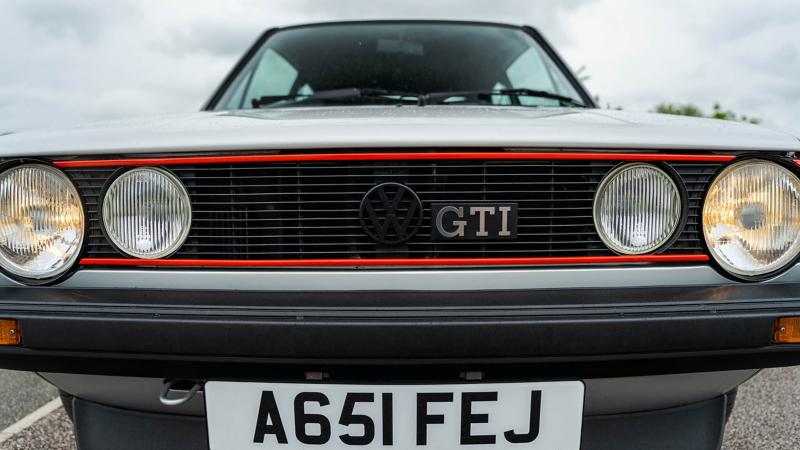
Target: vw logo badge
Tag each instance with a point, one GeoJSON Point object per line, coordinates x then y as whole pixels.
{"type": "Point", "coordinates": [391, 213]}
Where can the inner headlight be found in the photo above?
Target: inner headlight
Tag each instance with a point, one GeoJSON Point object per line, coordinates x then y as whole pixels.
{"type": "Point", "coordinates": [751, 218]}
{"type": "Point", "coordinates": [41, 221]}
{"type": "Point", "coordinates": [147, 213]}
{"type": "Point", "coordinates": [637, 209]}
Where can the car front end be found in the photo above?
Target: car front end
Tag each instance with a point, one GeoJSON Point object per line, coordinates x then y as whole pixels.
{"type": "Point", "coordinates": [400, 266]}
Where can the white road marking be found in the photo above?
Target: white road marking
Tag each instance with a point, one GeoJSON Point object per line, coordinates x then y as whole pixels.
{"type": "Point", "coordinates": [30, 419]}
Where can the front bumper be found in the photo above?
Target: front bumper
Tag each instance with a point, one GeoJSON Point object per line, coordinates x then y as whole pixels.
{"type": "Point", "coordinates": [426, 335]}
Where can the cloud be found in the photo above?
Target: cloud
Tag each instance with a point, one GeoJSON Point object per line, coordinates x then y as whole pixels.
{"type": "Point", "coordinates": [64, 19]}
{"type": "Point", "coordinates": [741, 54]}
{"type": "Point", "coordinates": [219, 36]}
{"type": "Point", "coordinates": [225, 40]}
{"type": "Point", "coordinates": [69, 61]}
{"type": "Point", "coordinates": [79, 61]}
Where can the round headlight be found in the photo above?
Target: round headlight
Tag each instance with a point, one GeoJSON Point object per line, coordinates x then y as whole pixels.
{"type": "Point", "coordinates": [147, 213]}
{"type": "Point", "coordinates": [637, 208]}
{"type": "Point", "coordinates": [751, 218]}
{"type": "Point", "coordinates": [41, 221]}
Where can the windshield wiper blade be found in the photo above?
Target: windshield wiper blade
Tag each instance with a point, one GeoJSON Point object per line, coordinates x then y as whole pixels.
{"type": "Point", "coordinates": [270, 99]}
{"type": "Point", "coordinates": [334, 94]}
{"type": "Point", "coordinates": [542, 94]}
{"type": "Point", "coordinates": [432, 98]}
{"type": "Point", "coordinates": [435, 98]}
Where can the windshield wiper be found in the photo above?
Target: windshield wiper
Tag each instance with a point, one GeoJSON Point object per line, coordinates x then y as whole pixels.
{"type": "Point", "coordinates": [435, 98]}
{"type": "Point", "coordinates": [335, 94]}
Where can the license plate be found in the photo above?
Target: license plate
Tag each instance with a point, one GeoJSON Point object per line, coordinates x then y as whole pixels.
{"type": "Point", "coordinates": [473, 221]}
{"type": "Point", "coordinates": [535, 416]}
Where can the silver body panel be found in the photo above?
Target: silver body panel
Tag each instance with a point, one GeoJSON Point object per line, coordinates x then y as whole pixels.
{"type": "Point", "coordinates": [341, 128]}
{"type": "Point", "coordinates": [403, 280]}
{"type": "Point", "coordinates": [397, 280]}
{"type": "Point", "coordinates": [603, 395]}
{"type": "Point", "coordinates": [393, 127]}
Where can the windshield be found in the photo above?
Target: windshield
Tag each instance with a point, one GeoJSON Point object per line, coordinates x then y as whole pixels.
{"type": "Point", "coordinates": [408, 58]}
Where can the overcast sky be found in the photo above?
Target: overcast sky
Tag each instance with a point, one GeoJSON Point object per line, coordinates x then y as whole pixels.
{"type": "Point", "coordinates": [65, 62]}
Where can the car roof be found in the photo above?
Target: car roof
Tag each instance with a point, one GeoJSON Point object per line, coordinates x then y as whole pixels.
{"type": "Point", "coordinates": [400, 21]}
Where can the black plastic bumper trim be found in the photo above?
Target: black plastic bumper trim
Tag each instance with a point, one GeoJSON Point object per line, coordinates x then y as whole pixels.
{"type": "Point", "coordinates": [99, 427]}
{"type": "Point", "coordinates": [730, 325]}
{"type": "Point", "coordinates": [699, 426]}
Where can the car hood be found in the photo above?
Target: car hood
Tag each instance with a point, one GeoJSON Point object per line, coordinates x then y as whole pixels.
{"type": "Point", "coordinates": [392, 126]}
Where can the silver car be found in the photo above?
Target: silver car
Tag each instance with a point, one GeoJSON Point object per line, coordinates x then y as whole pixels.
{"type": "Point", "coordinates": [400, 234]}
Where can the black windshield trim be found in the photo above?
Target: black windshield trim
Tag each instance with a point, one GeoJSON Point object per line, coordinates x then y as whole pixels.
{"type": "Point", "coordinates": [588, 101]}
{"type": "Point", "coordinates": [211, 103]}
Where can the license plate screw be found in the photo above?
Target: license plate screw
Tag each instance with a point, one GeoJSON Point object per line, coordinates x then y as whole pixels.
{"type": "Point", "coordinates": [316, 375]}
{"type": "Point", "coordinates": [472, 375]}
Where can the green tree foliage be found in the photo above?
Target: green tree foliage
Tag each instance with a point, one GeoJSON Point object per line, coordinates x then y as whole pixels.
{"type": "Point", "coordinates": [693, 111]}
{"type": "Point", "coordinates": [678, 110]}
{"type": "Point", "coordinates": [608, 105]}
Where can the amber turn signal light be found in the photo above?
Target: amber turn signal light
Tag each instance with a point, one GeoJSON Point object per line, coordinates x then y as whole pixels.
{"type": "Point", "coordinates": [9, 332]}
{"type": "Point", "coordinates": [787, 330]}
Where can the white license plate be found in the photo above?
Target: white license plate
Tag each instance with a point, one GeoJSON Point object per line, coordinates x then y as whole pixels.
{"type": "Point", "coordinates": [339, 416]}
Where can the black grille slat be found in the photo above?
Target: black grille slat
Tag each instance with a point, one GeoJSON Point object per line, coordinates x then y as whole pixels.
{"type": "Point", "coordinates": [309, 210]}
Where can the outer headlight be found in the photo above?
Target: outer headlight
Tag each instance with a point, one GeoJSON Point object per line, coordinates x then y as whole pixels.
{"type": "Point", "coordinates": [147, 213]}
{"type": "Point", "coordinates": [751, 218]}
{"type": "Point", "coordinates": [41, 221]}
{"type": "Point", "coordinates": [637, 208]}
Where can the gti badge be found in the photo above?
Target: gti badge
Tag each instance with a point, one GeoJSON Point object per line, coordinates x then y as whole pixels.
{"type": "Point", "coordinates": [391, 213]}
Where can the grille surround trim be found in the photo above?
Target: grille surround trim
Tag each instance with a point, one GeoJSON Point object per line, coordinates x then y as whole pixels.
{"type": "Point", "coordinates": [449, 259]}
{"type": "Point", "coordinates": [398, 156]}
{"type": "Point", "coordinates": [396, 262]}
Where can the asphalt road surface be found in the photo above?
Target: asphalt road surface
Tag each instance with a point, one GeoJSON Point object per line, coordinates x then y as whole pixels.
{"type": "Point", "coordinates": [767, 414]}
{"type": "Point", "coordinates": [20, 394]}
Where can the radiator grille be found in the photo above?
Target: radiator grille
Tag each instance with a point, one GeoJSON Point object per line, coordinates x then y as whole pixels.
{"type": "Point", "coordinates": [309, 210]}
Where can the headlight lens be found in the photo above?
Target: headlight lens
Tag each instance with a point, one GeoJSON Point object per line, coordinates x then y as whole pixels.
{"type": "Point", "coordinates": [637, 208]}
{"type": "Point", "coordinates": [147, 213]}
{"type": "Point", "coordinates": [41, 221]}
{"type": "Point", "coordinates": [751, 217]}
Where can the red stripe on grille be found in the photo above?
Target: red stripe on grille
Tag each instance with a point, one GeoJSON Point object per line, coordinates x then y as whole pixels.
{"type": "Point", "coordinates": [392, 262]}
{"type": "Point", "coordinates": [395, 156]}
